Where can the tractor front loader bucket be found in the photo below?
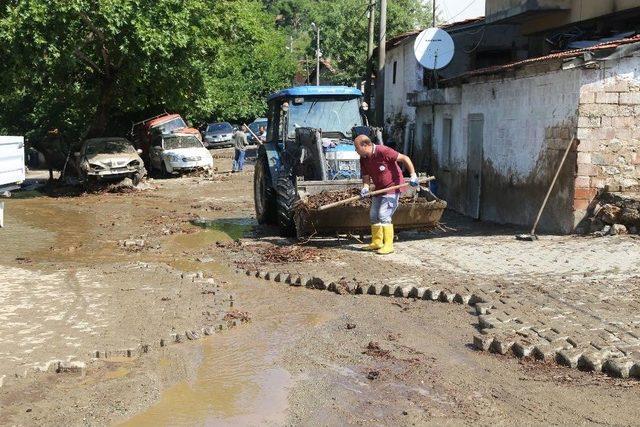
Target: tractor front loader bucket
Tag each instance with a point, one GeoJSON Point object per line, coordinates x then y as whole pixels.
{"type": "Point", "coordinates": [417, 211]}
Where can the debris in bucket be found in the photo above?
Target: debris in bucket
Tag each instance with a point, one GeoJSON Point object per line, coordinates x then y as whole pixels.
{"type": "Point", "coordinates": [326, 197]}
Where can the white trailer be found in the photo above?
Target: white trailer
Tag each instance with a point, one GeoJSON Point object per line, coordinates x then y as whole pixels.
{"type": "Point", "coordinates": [12, 167]}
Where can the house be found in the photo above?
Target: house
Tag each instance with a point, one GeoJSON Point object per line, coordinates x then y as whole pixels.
{"type": "Point", "coordinates": [477, 45]}
{"type": "Point", "coordinates": [494, 134]}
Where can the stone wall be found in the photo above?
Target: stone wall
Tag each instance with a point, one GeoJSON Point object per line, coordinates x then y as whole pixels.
{"type": "Point", "coordinates": [609, 133]}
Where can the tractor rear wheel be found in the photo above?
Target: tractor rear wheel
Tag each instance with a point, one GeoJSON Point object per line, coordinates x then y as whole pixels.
{"type": "Point", "coordinates": [264, 197]}
{"type": "Point", "coordinates": [287, 196]}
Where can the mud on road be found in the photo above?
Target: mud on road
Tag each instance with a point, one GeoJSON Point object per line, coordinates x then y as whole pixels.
{"type": "Point", "coordinates": [75, 275]}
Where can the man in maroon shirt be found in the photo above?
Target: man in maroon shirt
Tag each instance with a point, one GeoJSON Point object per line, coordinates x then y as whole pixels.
{"type": "Point", "coordinates": [379, 164]}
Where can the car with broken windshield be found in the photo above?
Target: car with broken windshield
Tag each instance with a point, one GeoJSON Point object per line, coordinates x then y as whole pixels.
{"type": "Point", "coordinates": [109, 159]}
{"type": "Point", "coordinates": [178, 153]}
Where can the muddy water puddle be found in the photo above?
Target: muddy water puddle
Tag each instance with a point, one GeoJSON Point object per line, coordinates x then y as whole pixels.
{"type": "Point", "coordinates": [235, 228]}
{"type": "Point", "coordinates": [239, 380]}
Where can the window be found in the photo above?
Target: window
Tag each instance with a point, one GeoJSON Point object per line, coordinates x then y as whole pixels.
{"type": "Point", "coordinates": [446, 143]}
{"type": "Point", "coordinates": [395, 71]}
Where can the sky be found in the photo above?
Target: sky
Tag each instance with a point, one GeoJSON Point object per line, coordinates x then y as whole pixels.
{"type": "Point", "coordinates": [459, 10]}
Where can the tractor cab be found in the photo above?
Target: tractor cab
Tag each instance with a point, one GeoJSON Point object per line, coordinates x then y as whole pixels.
{"type": "Point", "coordinates": [309, 148]}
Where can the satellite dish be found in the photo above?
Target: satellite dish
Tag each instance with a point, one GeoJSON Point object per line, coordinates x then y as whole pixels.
{"type": "Point", "coordinates": [434, 48]}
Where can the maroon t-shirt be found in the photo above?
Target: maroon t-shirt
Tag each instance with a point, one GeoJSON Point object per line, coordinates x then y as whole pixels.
{"type": "Point", "coordinates": [382, 168]}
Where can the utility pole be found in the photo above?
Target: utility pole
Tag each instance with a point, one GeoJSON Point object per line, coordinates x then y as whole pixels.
{"type": "Point", "coordinates": [370, 48]}
{"type": "Point", "coordinates": [382, 54]}
{"type": "Point", "coordinates": [433, 13]}
{"type": "Point", "coordinates": [317, 29]}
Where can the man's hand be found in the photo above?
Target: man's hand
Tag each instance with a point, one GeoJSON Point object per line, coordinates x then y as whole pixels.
{"type": "Point", "coordinates": [414, 180]}
{"type": "Point", "coordinates": [364, 192]}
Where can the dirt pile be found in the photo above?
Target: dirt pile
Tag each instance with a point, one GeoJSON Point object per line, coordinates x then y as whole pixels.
{"type": "Point", "coordinates": [284, 254]}
{"type": "Point", "coordinates": [613, 214]}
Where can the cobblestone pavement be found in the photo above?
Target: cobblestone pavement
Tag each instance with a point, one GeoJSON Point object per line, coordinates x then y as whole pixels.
{"type": "Point", "coordinates": [574, 300]}
{"type": "Point", "coordinates": [78, 313]}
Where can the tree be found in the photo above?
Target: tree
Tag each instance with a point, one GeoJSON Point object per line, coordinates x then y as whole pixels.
{"type": "Point", "coordinates": [90, 67]}
{"type": "Point", "coordinates": [344, 27]}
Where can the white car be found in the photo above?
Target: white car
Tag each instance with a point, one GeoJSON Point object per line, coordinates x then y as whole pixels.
{"type": "Point", "coordinates": [179, 152]}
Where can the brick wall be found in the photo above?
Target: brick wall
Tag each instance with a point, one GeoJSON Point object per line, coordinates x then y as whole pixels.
{"type": "Point", "coordinates": [609, 151]}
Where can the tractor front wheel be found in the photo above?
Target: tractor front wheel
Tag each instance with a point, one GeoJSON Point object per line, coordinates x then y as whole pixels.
{"type": "Point", "coordinates": [264, 197]}
{"type": "Point", "coordinates": [287, 196]}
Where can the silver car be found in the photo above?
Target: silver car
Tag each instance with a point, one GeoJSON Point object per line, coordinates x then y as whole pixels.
{"type": "Point", "coordinates": [218, 135]}
{"type": "Point", "coordinates": [102, 159]}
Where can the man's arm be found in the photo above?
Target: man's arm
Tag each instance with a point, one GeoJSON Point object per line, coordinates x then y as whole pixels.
{"type": "Point", "coordinates": [406, 161]}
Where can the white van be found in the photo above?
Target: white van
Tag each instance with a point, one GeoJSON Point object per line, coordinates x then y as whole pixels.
{"type": "Point", "coordinates": [12, 168]}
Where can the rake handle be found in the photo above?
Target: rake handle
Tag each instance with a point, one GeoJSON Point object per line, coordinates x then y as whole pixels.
{"type": "Point", "coordinates": [371, 194]}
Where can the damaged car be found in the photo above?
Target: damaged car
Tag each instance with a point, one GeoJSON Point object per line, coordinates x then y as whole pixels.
{"type": "Point", "coordinates": [178, 152]}
{"type": "Point", "coordinates": [109, 159]}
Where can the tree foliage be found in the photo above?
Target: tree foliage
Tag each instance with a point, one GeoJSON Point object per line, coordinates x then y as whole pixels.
{"type": "Point", "coordinates": [91, 67]}
{"type": "Point", "coordinates": [344, 29]}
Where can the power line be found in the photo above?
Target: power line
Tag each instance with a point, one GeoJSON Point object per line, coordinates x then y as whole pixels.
{"type": "Point", "coordinates": [461, 12]}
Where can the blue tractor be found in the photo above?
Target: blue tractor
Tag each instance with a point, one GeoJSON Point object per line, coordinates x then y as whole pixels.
{"type": "Point", "coordinates": [309, 149]}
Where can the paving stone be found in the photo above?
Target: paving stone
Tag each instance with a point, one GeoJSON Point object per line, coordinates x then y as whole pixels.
{"type": "Point", "coordinates": [447, 296]}
{"type": "Point", "coordinates": [413, 292]}
{"type": "Point", "coordinates": [487, 321]}
{"type": "Point", "coordinates": [462, 298]}
{"type": "Point", "coordinates": [421, 293]}
{"type": "Point", "coordinates": [483, 307]}
{"type": "Point", "coordinates": [405, 291]}
{"type": "Point", "coordinates": [270, 275]}
{"type": "Point", "coordinates": [482, 342]}
{"type": "Point", "coordinates": [591, 361]}
{"type": "Point", "coordinates": [569, 357]}
{"type": "Point", "coordinates": [544, 352]}
{"type": "Point", "coordinates": [394, 290]}
{"type": "Point", "coordinates": [618, 367]}
{"type": "Point", "coordinates": [279, 277]}
{"type": "Point", "coordinates": [319, 283]}
{"type": "Point", "coordinates": [502, 344]}
{"type": "Point", "coordinates": [634, 371]}
{"type": "Point", "coordinates": [433, 294]}
{"type": "Point", "coordinates": [523, 348]}
{"type": "Point", "coordinates": [385, 291]}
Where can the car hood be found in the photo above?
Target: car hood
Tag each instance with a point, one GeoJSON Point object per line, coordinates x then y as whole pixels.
{"type": "Point", "coordinates": [217, 133]}
{"type": "Point", "coordinates": [188, 152]}
{"type": "Point", "coordinates": [113, 160]}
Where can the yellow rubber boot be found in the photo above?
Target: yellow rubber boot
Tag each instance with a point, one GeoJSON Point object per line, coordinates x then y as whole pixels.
{"type": "Point", "coordinates": [387, 233]}
{"type": "Point", "coordinates": [376, 238]}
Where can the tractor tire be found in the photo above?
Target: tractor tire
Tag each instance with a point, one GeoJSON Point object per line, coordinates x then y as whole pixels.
{"type": "Point", "coordinates": [264, 196]}
{"type": "Point", "coordinates": [287, 196]}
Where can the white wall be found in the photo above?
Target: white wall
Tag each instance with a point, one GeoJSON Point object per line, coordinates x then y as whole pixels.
{"type": "Point", "coordinates": [517, 163]}
{"type": "Point", "coordinates": [408, 79]}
